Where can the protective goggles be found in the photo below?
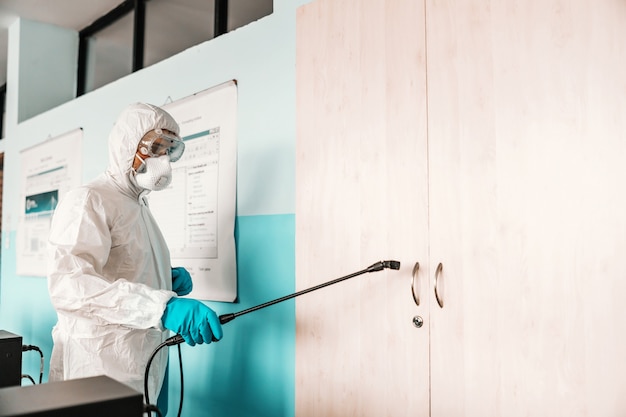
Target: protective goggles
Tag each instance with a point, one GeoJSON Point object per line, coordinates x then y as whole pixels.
{"type": "Point", "coordinates": [158, 143]}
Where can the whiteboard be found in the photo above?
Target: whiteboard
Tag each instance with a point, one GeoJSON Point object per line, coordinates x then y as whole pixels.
{"type": "Point", "coordinates": [48, 171]}
{"type": "Point", "coordinates": [196, 213]}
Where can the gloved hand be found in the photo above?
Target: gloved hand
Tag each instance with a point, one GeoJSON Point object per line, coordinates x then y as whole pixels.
{"type": "Point", "coordinates": [194, 321]}
{"type": "Point", "coordinates": [181, 281]}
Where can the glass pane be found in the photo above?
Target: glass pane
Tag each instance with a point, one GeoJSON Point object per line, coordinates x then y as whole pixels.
{"type": "Point", "coordinates": [175, 25]}
{"type": "Point", "coordinates": [242, 12]}
{"type": "Point", "coordinates": [110, 53]}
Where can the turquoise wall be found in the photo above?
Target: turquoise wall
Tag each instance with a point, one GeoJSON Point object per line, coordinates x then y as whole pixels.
{"type": "Point", "coordinates": [251, 371]}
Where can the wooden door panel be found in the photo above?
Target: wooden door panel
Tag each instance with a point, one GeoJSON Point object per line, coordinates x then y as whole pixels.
{"type": "Point", "coordinates": [527, 149]}
{"type": "Point", "coordinates": [361, 197]}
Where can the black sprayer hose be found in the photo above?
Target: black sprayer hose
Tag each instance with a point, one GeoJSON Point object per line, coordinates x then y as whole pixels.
{"type": "Point", "coordinates": [26, 348]}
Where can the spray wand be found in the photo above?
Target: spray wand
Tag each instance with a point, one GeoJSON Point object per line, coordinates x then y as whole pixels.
{"type": "Point", "coordinates": [225, 318]}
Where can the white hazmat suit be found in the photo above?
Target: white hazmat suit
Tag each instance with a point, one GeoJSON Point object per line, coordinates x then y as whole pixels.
{"type": "Point", "coordinates": [109, 271]}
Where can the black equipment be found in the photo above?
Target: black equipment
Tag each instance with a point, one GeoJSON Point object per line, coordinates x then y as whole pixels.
{"type": "Point", "coordinates": [98, 396]}
{"type": "Point", "coordinates": [10, 359]}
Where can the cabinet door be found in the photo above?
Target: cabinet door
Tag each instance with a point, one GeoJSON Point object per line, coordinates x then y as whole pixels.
{"type": "Point", "coordinates": [527, 141]}
{"type": "Point", "coordinates": [361, 197]}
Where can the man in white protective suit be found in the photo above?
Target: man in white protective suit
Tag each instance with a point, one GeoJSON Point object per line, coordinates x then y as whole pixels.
{"type": "Point", "coordinates": [109, 273]}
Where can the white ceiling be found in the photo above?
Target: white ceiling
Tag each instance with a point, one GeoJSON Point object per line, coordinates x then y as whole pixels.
{"type": "Point", "coordinates": [78, 14]}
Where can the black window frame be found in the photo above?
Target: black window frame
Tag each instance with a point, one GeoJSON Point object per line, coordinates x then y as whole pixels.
{"type": "Point", "coordinates": [139, 25]}
{"type": "Point", "coordinates": [3, 106]}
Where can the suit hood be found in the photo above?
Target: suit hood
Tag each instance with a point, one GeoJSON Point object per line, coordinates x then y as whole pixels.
{"type": "Point", "coordinates": [132, 124]}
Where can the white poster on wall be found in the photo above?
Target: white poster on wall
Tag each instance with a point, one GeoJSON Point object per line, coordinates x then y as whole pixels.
{"type": "Point", "coordinates": [196, 213]}
{"type": "Point", "coordinates": [48, 171]}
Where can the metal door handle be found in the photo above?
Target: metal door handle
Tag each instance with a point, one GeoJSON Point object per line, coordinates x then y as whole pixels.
{"type": "Point", "coordinates": [414, 287]}
{"type": "Point", "coordinates": [437, 274]}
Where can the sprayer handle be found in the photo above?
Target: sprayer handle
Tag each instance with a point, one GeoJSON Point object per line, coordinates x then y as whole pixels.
{"type": "Point", "coordinates": [174, 340]}
{"type": "Point", "coordinates": [178, 339]}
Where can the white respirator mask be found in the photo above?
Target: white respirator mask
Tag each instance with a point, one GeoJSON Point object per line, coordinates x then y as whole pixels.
{"type": "Point", "coordinates": [155, 173]}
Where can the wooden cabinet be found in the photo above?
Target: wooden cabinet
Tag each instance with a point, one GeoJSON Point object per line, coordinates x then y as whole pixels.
{"type": "Point", "coordinates": [490, 138]}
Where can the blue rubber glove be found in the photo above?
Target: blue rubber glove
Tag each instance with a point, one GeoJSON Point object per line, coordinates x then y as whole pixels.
{"type": "Point", "coordinates": [191, 319]}
{"type": "Point", "coordinates": [181, 281]}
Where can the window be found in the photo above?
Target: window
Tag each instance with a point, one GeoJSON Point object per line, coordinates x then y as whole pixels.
{"type": "Point", "coordinates": [110, 53]}
{"type": "Point", "coordinates": [139, 33]}
{"type": "Point", "coordinates": [173, 26]}
{"type": "Point", "coordinates": [242, 12]}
